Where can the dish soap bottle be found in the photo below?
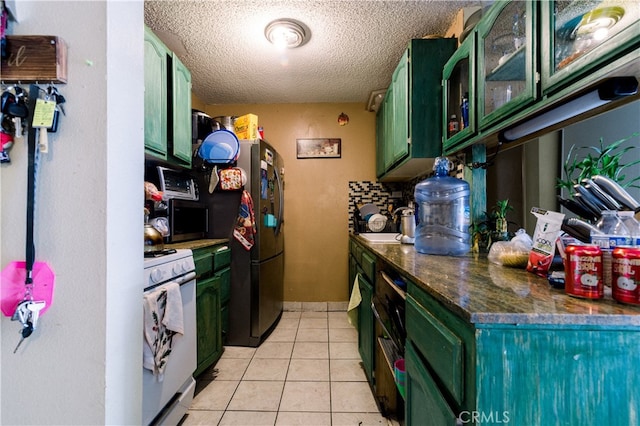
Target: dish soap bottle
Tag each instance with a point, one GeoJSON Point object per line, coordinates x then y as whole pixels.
{"type": "Point", "coordinates": [445, 217]}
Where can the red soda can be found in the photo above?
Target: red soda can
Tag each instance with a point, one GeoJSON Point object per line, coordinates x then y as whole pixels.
{"type": "Point", "coordinates": [583, 272]}
{"type": "Point", "coordinates": [625, 276]}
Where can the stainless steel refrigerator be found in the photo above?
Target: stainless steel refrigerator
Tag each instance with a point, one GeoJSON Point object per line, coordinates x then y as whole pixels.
{"type": "Point", "coordinates": [257, 274]}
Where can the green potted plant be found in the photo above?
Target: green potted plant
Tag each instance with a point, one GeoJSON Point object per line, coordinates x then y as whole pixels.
{"type": "Point", "coordinates": [599, 160]}
{"type": "Point", "coordinates": [493, 228]}
{"type": "Point", "coordinates": [500, 210]}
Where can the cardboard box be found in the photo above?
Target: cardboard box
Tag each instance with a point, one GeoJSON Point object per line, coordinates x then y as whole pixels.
{"type": "Point", "coordinates": [246, 126]}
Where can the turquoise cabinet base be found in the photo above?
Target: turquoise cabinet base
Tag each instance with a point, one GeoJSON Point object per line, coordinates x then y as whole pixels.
{"type": "Point", "coordinates": [560, 376]}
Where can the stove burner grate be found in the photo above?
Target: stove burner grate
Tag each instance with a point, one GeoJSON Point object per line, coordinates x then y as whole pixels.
{"type": "Point", "coordinates": [158, 253]}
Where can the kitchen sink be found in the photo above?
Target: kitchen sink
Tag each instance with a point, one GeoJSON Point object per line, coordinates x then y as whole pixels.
{"type": "Point", "coordinates": [381, 237]}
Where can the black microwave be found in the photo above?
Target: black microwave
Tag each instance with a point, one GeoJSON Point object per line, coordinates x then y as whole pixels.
{"type": "Point", "coordinates": [188, 220]}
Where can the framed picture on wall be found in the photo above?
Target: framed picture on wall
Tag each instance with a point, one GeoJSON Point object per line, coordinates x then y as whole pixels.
{"type": "Point", "coordinates": [318, 148]}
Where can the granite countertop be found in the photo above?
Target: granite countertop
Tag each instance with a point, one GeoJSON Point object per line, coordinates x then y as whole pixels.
{"type": "Point", "coordinates": [196, 244]}
{"type": "Point", "coordinates": [482, 292]}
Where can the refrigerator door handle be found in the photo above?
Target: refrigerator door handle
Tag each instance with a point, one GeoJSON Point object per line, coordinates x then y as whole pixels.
{"type": "Point", "coordinates": [281, 207]}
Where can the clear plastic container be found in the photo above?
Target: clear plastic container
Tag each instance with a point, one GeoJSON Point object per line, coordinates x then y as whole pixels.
{"type": "Point", "coordinates": [444, 216]}
{"type": "Point", "coordinates": [627, 217]}
{"type": "Point", "coordinates": [614, 233]}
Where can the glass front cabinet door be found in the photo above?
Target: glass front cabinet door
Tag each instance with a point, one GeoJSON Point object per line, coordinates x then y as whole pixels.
{"type": "Point", "coordinates": [506, 61]}
{"type": "Point", "coordinates": [458, 118]}
{"type": "Point", "coordinates": [578, 36]}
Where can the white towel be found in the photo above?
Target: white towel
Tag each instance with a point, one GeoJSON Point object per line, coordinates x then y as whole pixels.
{"type": "Point", "coordinates": [354, 302]}
{"type": "Point", "coordinates": [173, 317]}
{"type": "Point", "coordinates": [163, 317]}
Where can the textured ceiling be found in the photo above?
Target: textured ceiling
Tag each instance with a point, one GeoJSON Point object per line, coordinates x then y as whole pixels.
{"type": "Point", "coordinates": [353, 49]}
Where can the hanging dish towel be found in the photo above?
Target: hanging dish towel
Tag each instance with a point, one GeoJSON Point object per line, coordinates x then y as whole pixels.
{"type": "Point", "coordinates": [231, 179]}
{"type": "Point", "coordinates": [354, 302]}
{"type": "Point", "coordinates": [245, 228]}
{"type": "Point", "coordinates": [163, 318]}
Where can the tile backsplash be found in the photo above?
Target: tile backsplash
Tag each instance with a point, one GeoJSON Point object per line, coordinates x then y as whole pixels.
{"type": "Point", "coordinates": [385, 194]}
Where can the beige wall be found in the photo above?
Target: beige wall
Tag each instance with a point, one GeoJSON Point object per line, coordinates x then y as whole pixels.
{"type": "Point", "coordinates": [81, 366]}
{"type": "Point", "coordinates": [316, 190]}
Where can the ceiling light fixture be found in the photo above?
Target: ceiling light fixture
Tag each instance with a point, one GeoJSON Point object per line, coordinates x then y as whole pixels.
{"type": "Point", "coordinates": [287, 33]}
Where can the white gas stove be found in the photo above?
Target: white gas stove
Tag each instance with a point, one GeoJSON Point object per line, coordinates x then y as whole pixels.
{"type": "Point", "coordinates": [166, 397]}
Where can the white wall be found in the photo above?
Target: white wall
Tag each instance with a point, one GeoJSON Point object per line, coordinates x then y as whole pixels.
{"type": "Point", "coordinates": [613, 125]}
{"type": "Point", "coordinates": [82, 364]}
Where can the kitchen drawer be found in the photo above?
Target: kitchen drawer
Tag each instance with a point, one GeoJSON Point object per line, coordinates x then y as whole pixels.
{"type": "Point", "coordinates": [369, 265]}
{"type": "Point", "coordinates": [352, 247]}
{"type": "Point", "coordinates": [358, 254]}
{"type": "Point", "coordinates": [425, 404]}
{"type": "Point", "coordinates": [225, 284]}
{"type": "Point", "coordinates": [203, 262]}
{"type": "Point", "coordinates": [221, 258]}
{"type": "Point", "coordinates": [442, 349]}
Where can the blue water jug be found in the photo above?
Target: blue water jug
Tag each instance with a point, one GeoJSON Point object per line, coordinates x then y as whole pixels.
{"type": "Point", "coordinates": [445, 217]}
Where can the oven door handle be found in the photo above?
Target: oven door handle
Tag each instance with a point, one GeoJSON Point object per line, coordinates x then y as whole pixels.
{"type": "Point", "coordinates": [184, 279]}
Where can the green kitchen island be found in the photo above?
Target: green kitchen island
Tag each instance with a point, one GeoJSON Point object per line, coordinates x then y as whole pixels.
{"type": "Point", "coordinates": [487, 344]}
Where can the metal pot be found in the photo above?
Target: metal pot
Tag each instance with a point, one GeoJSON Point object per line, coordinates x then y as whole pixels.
{"type": "Point", "coordinates": [225, 121]}
{"type": "Point", "coordinates": [407, 221]}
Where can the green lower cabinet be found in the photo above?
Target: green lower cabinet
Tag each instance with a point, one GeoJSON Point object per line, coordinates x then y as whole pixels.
{"type": "Point", "coordinates": [213, 280]}
{"type": "Point", "coordinates": [208, 321]}
{"type": "Point", "coordinates": [425, 405]}
{"type": "Point", "coordinates": [366, 336]}
{"type": "Point", "coordinates": [521, 374]}
{"type": "Point", "coordinates": [224, 312]}
{"type": "Point", "coordinates": [225, 296]}
{"type": "Point", "coordinates": [559, 375]}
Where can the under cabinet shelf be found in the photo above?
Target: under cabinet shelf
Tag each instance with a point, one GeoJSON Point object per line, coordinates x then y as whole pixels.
{"type": "Point", "coordinates": [391, 355]}
{"type": "Point", "coordinates": [402, 293]}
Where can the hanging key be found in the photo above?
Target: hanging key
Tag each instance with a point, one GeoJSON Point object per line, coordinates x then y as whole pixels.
{"type": "Point", "coordinates": [27, 313]}
{"type": "Point", "coordinates": [35, 308]}
{"type": "Point", "coordinates": [23, 314]}
{"type": "Point", "coordinates": [59, 99]}
{"type": "Point", "coordinates": [26, 331]}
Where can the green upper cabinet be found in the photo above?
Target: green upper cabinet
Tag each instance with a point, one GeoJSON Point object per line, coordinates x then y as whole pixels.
{"type": "Point", "coordinates": [181, 111]}
{"type": "Point", "coordinates": [380, 114]}
{"type": "Point", "coordinates": [506, 61]}
{"type": "Point", "coordinates": [388, 129]}
{"type": "Point", "coordinates": [580, 36]}
{"type": "Point", "coordinates": [458, 81]}
{"type": "Point", "coordinates": [167, 103]}
{"type": "Point", "coordinates": [531, 56]}
{"type": "Point", "coordinates": [410, 119]}
{"type": "Point", "coordinates": [401, 135]}
{"type": "Point", "coordinates": [155, 94]}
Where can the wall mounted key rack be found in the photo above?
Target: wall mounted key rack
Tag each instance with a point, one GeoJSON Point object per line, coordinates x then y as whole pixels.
{"type": "Point", "coordinates": [34, 58]}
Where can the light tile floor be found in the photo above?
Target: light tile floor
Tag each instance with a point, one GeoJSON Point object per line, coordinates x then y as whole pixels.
{"type": "Point", "coordinates": [307, 372]}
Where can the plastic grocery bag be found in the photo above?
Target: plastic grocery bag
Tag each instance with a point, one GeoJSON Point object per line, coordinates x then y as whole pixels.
{"type": "Point", "coordinates": [514, 253]}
